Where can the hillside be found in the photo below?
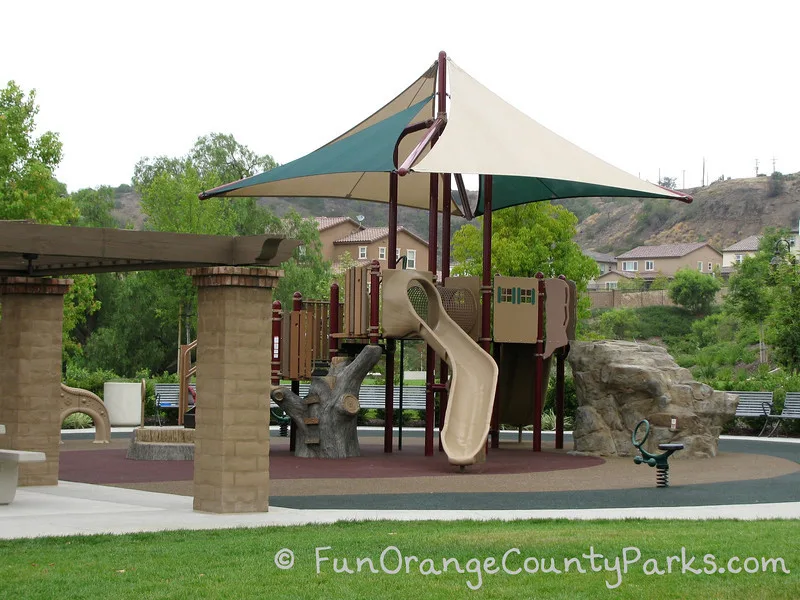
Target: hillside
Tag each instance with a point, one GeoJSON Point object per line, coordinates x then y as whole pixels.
{"type": "Point", "coordinates": [722, 213]}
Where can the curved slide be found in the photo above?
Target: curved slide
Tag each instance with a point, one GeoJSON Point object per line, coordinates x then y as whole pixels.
{"type": "Point", "coordinates": [473, 377]}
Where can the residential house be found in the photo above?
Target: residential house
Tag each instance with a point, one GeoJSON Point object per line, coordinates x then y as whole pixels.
{"type": "Point", "coordinates": [735, 254]}
{"type": "Point", "coordinates": [340, 235]}
{"type": "Point", "coordinates": [605, 262]}
{"type": "Point", "coordinates": [649, 262]}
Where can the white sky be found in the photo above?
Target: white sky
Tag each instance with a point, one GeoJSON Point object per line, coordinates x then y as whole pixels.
{"type": "Point", "coordinates": [642, 84]}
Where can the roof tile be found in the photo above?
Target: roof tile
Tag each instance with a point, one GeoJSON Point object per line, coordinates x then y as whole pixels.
{"type": "Point", "coordinates": [663, 251]}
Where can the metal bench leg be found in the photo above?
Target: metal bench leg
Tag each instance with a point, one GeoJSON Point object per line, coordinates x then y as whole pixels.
{"type": "Point", "coordinates": [778, 424]}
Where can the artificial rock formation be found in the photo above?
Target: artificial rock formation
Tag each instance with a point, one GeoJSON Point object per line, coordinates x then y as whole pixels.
{"type": "Point", "coordinates": [326, 419]}
{"type": "Point", "coordinates": [620, 383]}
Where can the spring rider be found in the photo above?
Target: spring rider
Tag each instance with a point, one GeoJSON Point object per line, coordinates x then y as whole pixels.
{"type": "Point", "coordinates": [659, 461]}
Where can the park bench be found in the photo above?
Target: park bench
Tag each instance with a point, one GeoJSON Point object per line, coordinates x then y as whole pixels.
{"type": "Point", "coordinates": [791, 410]}
{"type": "Point", "coordinates": [754, 404]}
{"type": "Point", "coordinates": [373, 396]}
{"type": "Point", "coordinates": [9, 469]}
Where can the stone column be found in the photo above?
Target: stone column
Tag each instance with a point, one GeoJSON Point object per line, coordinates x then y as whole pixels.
{"type": "Point", "coordinates": [30, 371]}
{"type": "Point", "coordinates": [234, 349]}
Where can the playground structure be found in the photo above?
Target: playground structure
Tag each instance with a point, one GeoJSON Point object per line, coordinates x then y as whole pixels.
{"type": "Point", "coordinates": [534, 318]}
{"type": "Point", "coordinates": [410, 153]}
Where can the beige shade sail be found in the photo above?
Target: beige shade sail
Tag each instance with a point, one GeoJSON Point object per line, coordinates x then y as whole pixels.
{"type": "Point", "coordinates": [487, 136]}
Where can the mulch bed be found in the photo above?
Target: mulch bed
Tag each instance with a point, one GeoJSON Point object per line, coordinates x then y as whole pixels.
{"type": "Point", "coordinates": [111, 466]}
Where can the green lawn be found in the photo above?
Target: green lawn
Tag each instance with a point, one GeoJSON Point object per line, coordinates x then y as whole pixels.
{"type": "Point", "coordinates": [242, 563]}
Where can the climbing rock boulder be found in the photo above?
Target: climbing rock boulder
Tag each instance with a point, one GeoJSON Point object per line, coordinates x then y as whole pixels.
{"type": "Point", "coordinates": [620, 383]}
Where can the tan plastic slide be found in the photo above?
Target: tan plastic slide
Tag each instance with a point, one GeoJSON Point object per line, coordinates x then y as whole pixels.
{"type": "Point", "coordinates": [473, 371]}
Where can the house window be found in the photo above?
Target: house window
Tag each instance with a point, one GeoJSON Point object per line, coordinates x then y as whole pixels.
{"type": "Point", "coordinates": [739, 258]}
{"type": "Point", "coordinates": [630, 265]}
{"type": "Point", "coordinates": [382, 253]}
{"type": "Point", "coordinates": [611, 285]}
{"type": "Point", "coordinates": [649, 265]}
{"type": "Point", "coordinates": [362, 252]}
{"type": "Point", "coordinates": [602, 268]}
{"type": "Point", "coordinates": [411, 259]}
{"type": "Point", "coordinates": [398, 254]}
{"type": "Point", "coordinates": [700, 265]}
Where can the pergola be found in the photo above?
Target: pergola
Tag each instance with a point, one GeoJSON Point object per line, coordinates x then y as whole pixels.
{"type": "Point", "coordinates": [234, 276]}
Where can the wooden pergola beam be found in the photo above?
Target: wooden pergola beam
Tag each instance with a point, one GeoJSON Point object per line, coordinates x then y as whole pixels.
{"type": "Point", "coordinates": [51, 250]}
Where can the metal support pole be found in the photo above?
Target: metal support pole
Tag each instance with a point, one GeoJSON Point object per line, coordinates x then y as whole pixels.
{"type": "Point", "coordinates": [538, 392]}
{"type": "Point", "coordinates": [560, 359]}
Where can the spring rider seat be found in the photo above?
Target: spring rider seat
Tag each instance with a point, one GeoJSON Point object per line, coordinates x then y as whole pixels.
{"type": "Point", "coordinates": [659, 461]}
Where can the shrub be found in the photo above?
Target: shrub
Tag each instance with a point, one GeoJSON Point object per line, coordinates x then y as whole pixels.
{"type": "Point", "coordinates": [77, 420]}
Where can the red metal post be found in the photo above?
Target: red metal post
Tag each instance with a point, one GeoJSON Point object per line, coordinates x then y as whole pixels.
{"type": "Point", "coordinates": [276, 343]}
{"type": "Point", "coordinates": [374, 301]}
{"type": "Point", "coordinates": [443, 367]}
{"type": "Point", "coordinates": [560, 356]}
{"type": "Point", "coordinates": [486, 296]}
{"type": "Point", "coordinates": [538, 392]}
{"type": "Point", "coordinates": [333, 316]}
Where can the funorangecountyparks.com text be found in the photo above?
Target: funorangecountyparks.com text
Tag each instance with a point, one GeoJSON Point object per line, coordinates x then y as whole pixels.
{"type": "Point", "coordinates": [516, 562]}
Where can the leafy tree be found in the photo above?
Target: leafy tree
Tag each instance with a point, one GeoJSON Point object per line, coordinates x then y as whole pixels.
{"type": "Point", "coordinates": [307, 272]}
{"type": "Point", "coordinates": [750, 294]}
{"type": "Point", "coordinates": [784, 320]}
{"type": "Point", "coordinates": [525, 240]}
{"type": "Point", "coordinates": [219, 156]}
{"type": "Point", "coordinates": [776, 184]}
{"type": "Point", "coordinates": [668, 182]}
{"type": "Point", "coordinates": [28, 189]}
{"type": "Point", "coordinates": [95, 207]}
{"type": "Point", "coordinates": [631, 285]}
{"type": "Point", "coordinates": [694, 290]}
{"type": "Point", "coordinates": [661, 282]}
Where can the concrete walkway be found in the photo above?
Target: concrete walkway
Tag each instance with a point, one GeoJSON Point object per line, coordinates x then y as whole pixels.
{"type": "Point", "coordinates": [82, 509]}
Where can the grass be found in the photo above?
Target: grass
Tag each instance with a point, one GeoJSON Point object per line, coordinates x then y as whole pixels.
{"type": "Point", "coordinates": [241, 563]}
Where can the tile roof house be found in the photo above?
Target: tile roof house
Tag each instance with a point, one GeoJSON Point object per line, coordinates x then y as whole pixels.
{"type": "Point", "coordinates": [735, 253]}
{"type": "Point", "coordinates": [649, 262]}
{"type": "Point", "coordinates": [340, 235]}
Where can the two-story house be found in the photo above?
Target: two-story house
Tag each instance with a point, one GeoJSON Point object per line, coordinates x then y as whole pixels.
{"type": "Point", "coordinates": [736, 253]}
{"type": "Point", "coordinates": [340, 235]}
{"type": "Point", "coordinates": [649, 262]}
{"type": "Point", "coordinates": [605, 262]}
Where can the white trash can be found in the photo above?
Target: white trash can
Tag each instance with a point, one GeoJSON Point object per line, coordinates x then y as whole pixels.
{"type": "Point", "coordinates": [124, 403]}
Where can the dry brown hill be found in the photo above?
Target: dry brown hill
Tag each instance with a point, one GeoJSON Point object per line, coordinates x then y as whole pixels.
{"type": "Point", "coordinates": [722, 213]}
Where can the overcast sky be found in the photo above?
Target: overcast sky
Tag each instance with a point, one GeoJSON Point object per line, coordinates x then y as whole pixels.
{"type": "Point", "coordinates": [644, 85]}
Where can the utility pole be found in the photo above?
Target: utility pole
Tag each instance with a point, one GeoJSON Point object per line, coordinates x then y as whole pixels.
{"type": "Point", "coordinates": [756, 167]}
{"type": "Point", "coordinates": [703, 182]}
{"type": "Point", "coordinates": [774, 170]}
{"type": "Point", "coordinates": [683, 183]}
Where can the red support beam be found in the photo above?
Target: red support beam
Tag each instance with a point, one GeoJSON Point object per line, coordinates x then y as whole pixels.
{"type": "Point", "coordinates": [538, 392]}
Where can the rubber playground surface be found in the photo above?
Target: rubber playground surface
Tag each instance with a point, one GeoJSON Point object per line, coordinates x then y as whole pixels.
{"type": "Point", "coordinates": [512, 478]}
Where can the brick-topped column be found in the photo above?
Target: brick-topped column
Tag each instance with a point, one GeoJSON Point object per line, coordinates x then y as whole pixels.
{"type": "Point", "coordinates": [30, 371]}
{"type": "Point", "coordinates": [231, 459]}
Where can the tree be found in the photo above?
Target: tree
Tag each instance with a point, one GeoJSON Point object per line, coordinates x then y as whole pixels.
{"type": "Point", "coordinates": [95, 207]}
{"type": "Point", "coordinates": [525, 240]}
{"type": "Point", "coordinates": [28, 189]}
{"type": "Point", "coordinates": [750, 295]}
{"type": "Point", "coordinates": [668, 182]}
{"type": "Point", "coordinates": [661, 282]}
{"type": "Point", "coordinates": [307, 271]}
{"type": "Point", "coordinates": [784, 319]}
{"type": "Point", "coordinates": [694, 290]}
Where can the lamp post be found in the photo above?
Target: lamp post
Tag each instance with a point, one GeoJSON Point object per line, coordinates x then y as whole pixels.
{"type": "Point", "coordinates": [783, 247]}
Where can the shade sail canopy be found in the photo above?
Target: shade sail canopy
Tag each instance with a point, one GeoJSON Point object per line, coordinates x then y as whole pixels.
{"type": "Point", "coordinates": [487, 136]}
{"type": "Point", "coordinates": [356, 165]}
{"type": "Point", "coordinates": [484, 135]}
